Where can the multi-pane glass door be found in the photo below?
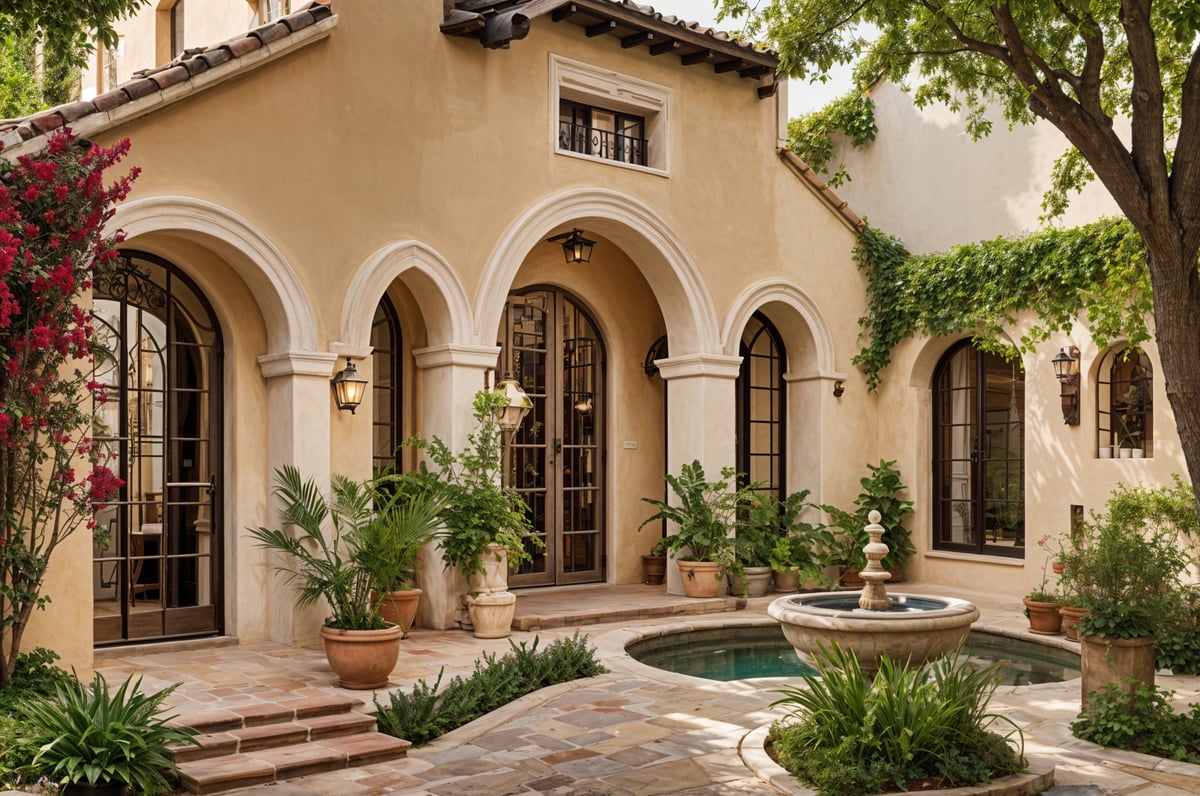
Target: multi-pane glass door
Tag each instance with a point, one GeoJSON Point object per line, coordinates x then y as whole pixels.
{"type": "Point", "coordinates": [555, 351]}
{"type": "Point", "coordinates": [157, 564]}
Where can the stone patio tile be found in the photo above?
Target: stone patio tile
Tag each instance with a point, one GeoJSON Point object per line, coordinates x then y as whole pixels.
{"type": "Point", "coordinates": [589, 788]}
{"type": "Point", "coordinates": [671, 777]}
{"type": "Point", "coordinates": [592, 768]}
{"type": "Point", "coordinates": [500, 783]}
{"type": "Point", "coordinates": [503, 739]}
{"type": "Point", "coordinates": [636, 756]}
{"type": "Point", "coordinates": [566, 756]}
{"type": "Point", "coordinates": [441, 754]}
{"type": "Point", "coordinates": [463, 767]}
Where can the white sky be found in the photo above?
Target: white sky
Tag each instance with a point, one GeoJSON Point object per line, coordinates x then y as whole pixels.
{"type": "Point", "coordinates": [803, 97]}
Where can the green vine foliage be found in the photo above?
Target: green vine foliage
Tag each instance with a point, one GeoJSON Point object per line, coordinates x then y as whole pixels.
{"type": "Point", "coordinates": [1095, 272]}
{"type": "Point", "coordinates": [811, 136]}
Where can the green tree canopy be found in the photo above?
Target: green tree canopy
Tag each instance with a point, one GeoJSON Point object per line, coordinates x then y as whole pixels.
{"type": "Point", "coordinates": [1078, 64]}
{"type": "Point", "coordinates": [69, 28]}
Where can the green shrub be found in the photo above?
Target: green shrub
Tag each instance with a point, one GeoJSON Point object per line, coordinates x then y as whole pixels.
{"type": "Point", "coordinates": [87, 734]}
{"type": "Point", "coordinates": [848, 734]}
{"type": "Point", "coordinates": [430, 711]}
{"type": "Point", "coordinates": [1177, 637]}
{"type": "Point", "coordinates": [34, 675]}
{"type": "Point", "coordinates": [1141, 721]}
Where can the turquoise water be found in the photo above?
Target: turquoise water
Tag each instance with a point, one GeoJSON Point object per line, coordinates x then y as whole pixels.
{"type": "Point", "coordinates": [743, 653]}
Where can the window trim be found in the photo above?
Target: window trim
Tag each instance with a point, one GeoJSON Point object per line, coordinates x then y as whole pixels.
{"type": "Point", "coordinates": [607, 90]}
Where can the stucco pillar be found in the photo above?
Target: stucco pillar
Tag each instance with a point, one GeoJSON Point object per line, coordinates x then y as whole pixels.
{"type": "Point", "coordinates": [450, 376]}
{"type": "Point", "coordinates": [298, 412]}
{"type": "Point", "coordinates": [809, 398]}
{"type": "Point", "coordinates": [701, 410]}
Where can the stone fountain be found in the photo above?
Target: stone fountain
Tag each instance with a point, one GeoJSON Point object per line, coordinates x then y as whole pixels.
{"type": "Point", "coordinates": [913, 627]}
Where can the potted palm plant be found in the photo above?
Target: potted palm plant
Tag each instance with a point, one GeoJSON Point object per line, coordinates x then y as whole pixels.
{"type": "Point", "coordinates": [100, 742]}
{"type": "Point", "coordinates": [362, 648]}
{"type": "Point", "coordinates": [704, 517]}
{"type": "Point", "coordinates": [389, 545]}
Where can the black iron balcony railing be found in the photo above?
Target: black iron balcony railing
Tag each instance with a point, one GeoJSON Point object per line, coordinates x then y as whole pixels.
{"type": "Point", "coordinates": [602, 143]}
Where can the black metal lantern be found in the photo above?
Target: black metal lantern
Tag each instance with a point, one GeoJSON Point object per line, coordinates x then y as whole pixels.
{"type": "Point", "coordinates": [348, 387]}
{"type": "Point", "coordinates": [576, 248]}
{"type": "Point", "coordinates": [1066, 370]}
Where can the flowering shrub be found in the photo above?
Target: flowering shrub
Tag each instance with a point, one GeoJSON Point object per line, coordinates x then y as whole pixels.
{"type": "Point", "coordinates": [53, 206]}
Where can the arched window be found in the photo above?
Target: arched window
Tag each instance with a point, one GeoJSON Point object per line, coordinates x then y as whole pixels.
{"type": "Point", "coordinates": [978, 453]}
{"type": "Point", "coordinates": [1125, 404]}
{"type": "Point", "coordinates": [761, 406]}
{"type": "Point", "coordinates": [386, 367]}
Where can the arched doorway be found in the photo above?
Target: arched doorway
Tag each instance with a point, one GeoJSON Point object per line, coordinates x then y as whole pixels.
{"type": "Point", "coordinates": [159, 574]}
{"type": "Point", "coordinates": [979, 453]}
{"type": "Point", "coordinates": [552, 346]}
{"type": "Point", "coordinates": [762, 407]}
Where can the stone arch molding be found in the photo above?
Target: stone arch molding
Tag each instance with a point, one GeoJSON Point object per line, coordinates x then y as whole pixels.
{"type": "Point", "coordinates": [648, 241]}
{"type": "Point", "coordinates": [437, 288]}
{"type": "Point", "coordinates": [931, 352]}
{"type": "Point", "coordinates": [769, 291]}
{"type": "Point", "coordinates": [290, 321]}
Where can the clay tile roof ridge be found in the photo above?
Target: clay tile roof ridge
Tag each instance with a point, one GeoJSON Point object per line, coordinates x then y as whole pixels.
{"type": "Point", "coordinates": [720, 35]}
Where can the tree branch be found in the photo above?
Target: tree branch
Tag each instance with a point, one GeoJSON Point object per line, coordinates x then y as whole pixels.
{"type": "Point", "coordinates": [1147, 94]}
{"type": "Point", "coordinates": [1185, 171]}
{"type": "Point", "coordinates": [972, 44]}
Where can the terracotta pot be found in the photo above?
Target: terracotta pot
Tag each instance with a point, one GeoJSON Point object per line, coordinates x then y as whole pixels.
{"type": "Point", "coordinates": [701, 578]}
{"type": "Point", "coordinates": [1044, 617]}
{"type": "Point", "coordinates": [1123, 662]}
{"type": "Point", "coordinates": [400, 608]}
{"type": "Point", "coordinates": [850, 579]}
{"type": "Point", "coordinates": [756, 582]}
{"type": "Point", "coordinates": [495, 572]}
{"type": "Point", "coordinates": [654, 569]}
{"type": "Point", "coordinates": [362, 659]}
{"type": "Point", "coordinates": [899, 572]}
{"type": "Point", "coordinates": [1057, 567]}
{"type": "Point", "coordinates": [492, 614]}
{"type": "Point", "coordinates": [1070, 617]}
{"type": "Point", "coordinates": [786, 581]}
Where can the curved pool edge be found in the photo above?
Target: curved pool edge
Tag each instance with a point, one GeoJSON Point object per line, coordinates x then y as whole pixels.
{"type": "Point", "coordinates": [752, 749]}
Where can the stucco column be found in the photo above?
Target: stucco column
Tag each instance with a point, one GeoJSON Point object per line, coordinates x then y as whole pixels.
{"type": "Point", "coordinates": [450, 375]}
{"type": "Point", "coordinates": [809, 398]}
{"type": "Point", "coordinates": [298, 412]}
{"type": "Point", "coordinates": [701, 410]}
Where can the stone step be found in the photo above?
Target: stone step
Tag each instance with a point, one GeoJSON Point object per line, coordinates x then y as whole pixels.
{"type": "Point", "coordinates": [266, 742]}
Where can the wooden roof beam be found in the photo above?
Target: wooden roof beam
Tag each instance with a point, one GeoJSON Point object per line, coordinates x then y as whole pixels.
{"type": "Point", "coordinates": [728, 66]}
{"type": "Point", "coordinates": [700, 57]}
{"type": "Point", "coordinates": [664, 47]}
{"type": "Point", "coordinates": [756, 71]}
{"type": "Point", "coordinates": [600, 28]}
{"type": "Point", "coordinates": [642, 37]}
{"type": "Point", "coordinates": [566, 12]}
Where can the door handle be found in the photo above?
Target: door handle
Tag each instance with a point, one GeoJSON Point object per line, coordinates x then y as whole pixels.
{"type": "Point", "coordinates": [557, 446]}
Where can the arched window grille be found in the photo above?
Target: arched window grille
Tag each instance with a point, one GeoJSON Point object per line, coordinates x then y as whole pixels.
{"type": "Point", "coordinates": [386, 365]}
{"type": "Point", "coordinates": [761, 406]}
{"type": "Point", "coordinates": [1125, 404]}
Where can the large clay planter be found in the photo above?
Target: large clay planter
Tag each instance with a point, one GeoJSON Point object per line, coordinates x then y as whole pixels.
{"type": "Point", "coordinates": [1070, 617]}
{"type": "Point", "coordinates": [1105, 661]}
{"type": "Point", "coordinates": [850, 580]}
{"type": "Point", "coordinates": [400, 608]}
{"type": "Point", "coordinates": [654, 569]}
{"type": "Point", "coordinates": [755, 582]}
{"type": "Point", "coordinates": [701, 578]}
{"type": "Point", "coordinates": [362, 659]}
{"type": "Point", "coordinates": [492, 613]}
{"type": "Point", "coordinates": [786, 582]}
{"type": "Point", "coordinates": [1044, 618]}
{"type": "Point", "coordinates": [495, 572]}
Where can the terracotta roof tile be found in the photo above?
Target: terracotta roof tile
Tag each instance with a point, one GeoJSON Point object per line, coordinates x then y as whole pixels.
{"type": "Point", "coordinates": [818, 186]}
{"type": "Point", "coordinates": [243, 45]}
{"type": "Point", "coordinates": [269, 33]}
{"type": "Point", "coordinates": [170, 76]}
{"type": "Point", "coordinates": [169, 82]}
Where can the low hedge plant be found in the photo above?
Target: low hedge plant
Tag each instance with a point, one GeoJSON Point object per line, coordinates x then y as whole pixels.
{"type": "Point", "coordinates": [1142, 720]}
{"type": "Point", "coordinates": [430, 710]}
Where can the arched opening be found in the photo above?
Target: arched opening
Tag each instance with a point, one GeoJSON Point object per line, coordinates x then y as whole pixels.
{"type": "Point", "coordinates": [158, 575]}
{"type": "Point", "coordinates": [762, 407]}
{"type": "Point", "coordinates": [978, 453]}
{"type": "Point", "coordinates": [552, 346]}
{"type": "Point", "coordinates": [1125, 404]}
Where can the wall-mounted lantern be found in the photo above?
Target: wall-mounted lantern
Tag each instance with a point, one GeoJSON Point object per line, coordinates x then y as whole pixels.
{"type": "Point", "coordinates": [348, 387]}
{"type": "Point", "coordinates": [1066, 370]}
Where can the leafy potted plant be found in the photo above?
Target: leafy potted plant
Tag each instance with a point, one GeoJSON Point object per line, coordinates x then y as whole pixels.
{"type": "Point", "coordinates": [797, 555]}
{"type": "Point", "coordinates": [389, 545]}
{"type": "Point", "coordinates": [103, 743]}
{"type": "Point", "coordinates": [705, 518]}
{"type": "Point", "coordinates": [361, 647]}
{"type": "Point", "coordinates": [757, 530]}
{"type": "Point", "coordinates": [1127, 573]}
{"type": "Point", "coordinates": [487, 523]}
{"type": "Point", "coordinates": [881, 492]}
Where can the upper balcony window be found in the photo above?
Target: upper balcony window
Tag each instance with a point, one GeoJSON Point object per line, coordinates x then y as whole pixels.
{"type": "Point", "coordinates": [599, 114]}
{"type": "Point", "coordinates": [601, 133]}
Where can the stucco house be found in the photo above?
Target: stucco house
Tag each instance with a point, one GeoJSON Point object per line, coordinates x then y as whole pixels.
{"type": "Point", "coordinates": [379, 183]}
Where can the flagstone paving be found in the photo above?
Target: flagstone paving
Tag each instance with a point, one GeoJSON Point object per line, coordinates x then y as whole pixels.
{"type": "Point", "coordinates": [634, 730]}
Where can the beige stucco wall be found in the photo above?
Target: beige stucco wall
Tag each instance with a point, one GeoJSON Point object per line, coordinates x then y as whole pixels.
{"type": "Point", "coordinates": [389, 136]}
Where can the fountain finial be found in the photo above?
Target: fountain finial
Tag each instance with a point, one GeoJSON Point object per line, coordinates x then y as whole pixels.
{"type": "Point", "coordinates": [874, 595]}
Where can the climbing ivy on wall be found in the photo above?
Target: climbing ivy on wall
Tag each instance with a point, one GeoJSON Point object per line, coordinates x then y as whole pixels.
{"type": "Point", "coordinates": [1095, 272]}
{"type": "Point", "coordinates": [811, 136]}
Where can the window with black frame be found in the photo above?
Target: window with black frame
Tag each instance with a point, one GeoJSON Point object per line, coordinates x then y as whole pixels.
{"type": "Point", "coordinates": [601, 133]}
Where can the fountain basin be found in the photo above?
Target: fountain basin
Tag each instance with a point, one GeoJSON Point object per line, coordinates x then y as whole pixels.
{"type": "Point", "coordinates": [918, 628]}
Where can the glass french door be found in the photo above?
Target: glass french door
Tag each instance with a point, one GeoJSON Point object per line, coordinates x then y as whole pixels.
{"type": "Point", "coordinates": [979, 453]}
{"type": "Point", "coordinates": [157, 563]}
{"type": "Point", "coordinates": [551, 345]}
